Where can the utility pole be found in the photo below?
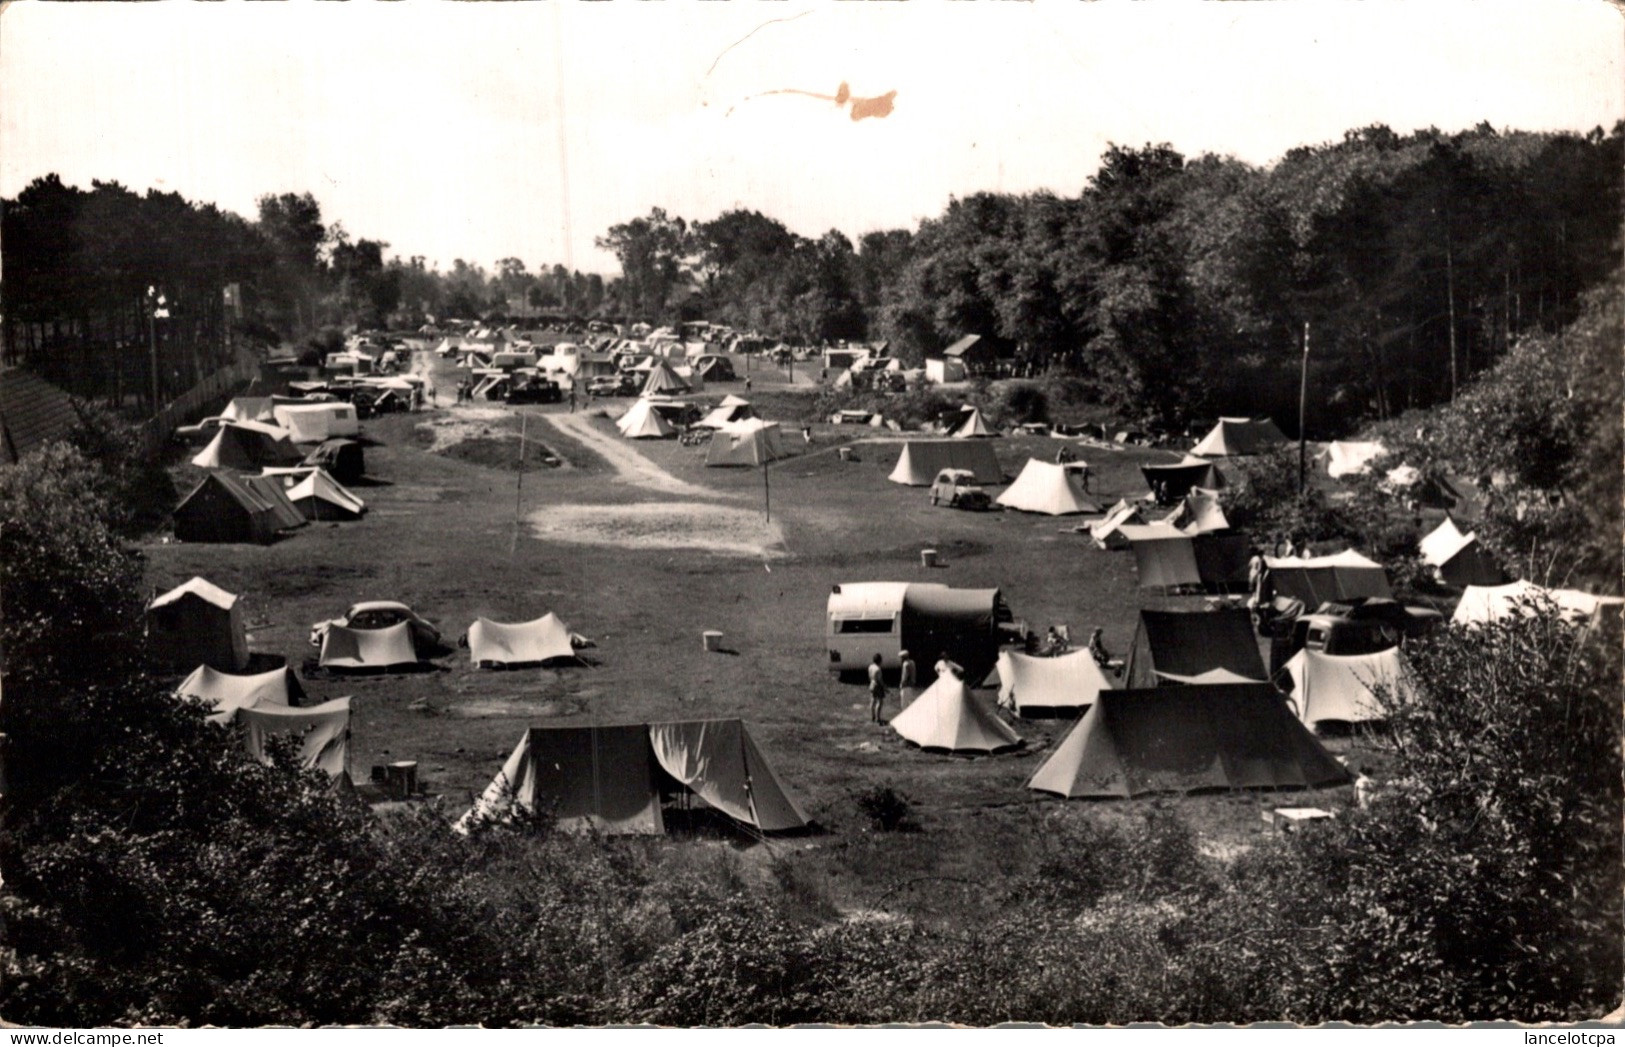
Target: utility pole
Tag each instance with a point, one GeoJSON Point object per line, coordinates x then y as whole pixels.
{"type": "Point", "coordinates": [1303, 400]}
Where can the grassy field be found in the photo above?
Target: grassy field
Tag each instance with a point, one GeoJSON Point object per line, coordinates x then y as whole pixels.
{"type": "Point", "coordinates": [457, 531]}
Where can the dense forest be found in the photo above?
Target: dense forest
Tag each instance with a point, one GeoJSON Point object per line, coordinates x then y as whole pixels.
{"type": "Point", "coordinates": [1175, 287]}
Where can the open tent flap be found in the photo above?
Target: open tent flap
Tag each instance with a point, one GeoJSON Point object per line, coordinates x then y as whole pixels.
{"type": "Point", "coordinates": [325, 730]}
{"type": "Point", "coordinates": [720, 763]}
{"type": "Point", "coordinates": [368, 648]}
{"type": "Point", "coordinates": [539, 640]}
{"type": "Point", "coordinates": [229, 692]}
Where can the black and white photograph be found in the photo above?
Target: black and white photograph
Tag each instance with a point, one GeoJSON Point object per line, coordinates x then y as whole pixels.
{"type": "Point", "coordinates": [720, 513]}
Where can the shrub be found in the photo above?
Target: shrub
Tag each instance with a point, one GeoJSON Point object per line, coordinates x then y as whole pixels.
{"type": "Point", "coordinates": [886, 809]}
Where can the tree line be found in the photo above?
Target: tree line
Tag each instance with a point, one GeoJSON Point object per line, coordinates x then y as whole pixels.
{"type": "Point", "coordinates": [1181, 287]}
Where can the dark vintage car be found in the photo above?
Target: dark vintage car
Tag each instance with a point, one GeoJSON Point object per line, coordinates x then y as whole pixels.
{"type": "Point", "coordinates": [534, 391]}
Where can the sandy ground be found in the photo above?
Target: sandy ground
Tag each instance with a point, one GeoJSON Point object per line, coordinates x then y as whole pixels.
{"type": "Point", "coordinates": [630, 466]}
{"type": "Point", "coordinates": [663, 525]}
{"type": "Point", "coordinates": [454, 424]}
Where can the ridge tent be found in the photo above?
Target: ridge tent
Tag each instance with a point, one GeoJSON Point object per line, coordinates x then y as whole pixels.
{"type": "Point", "coordinates": [227, 508]}
{"type": "Point", "coordinates": [1352, 457]}
{"type": "Point", "coordinates": [925, 618]}
{"type": "Point", "coordinates": [344, 460]}
{"type": "Point", "coordinates": [1064, 685]}
{"type": "Point", "coordinates": [921, 460]}
{"type": "Point", "coordinates": [970, 423]}
{"type": "Point", "coordinates": [1167, 558]}
{"type": "Point", "coordinates": [197, 621]}
{"type": "Point", "coordinates": [1490, 603]}
{"type": "Point", "coordinates": [1189, 643]}
{"type": "Point", "coordinates": [611, 779]}
{"type": "Point", "coordinates": [735, 411]}
{"type": "Point", "coordinates": [1318, 579]}
{"type": "Point", "coordinates": [1458, 559]}
{"type": "Point", "coordinates": [751, 442]}
{"type": "Point", "coordinates": [1172, 482]}
{"type": "Point", "coordinates": [247, 445]}
{"type": "Point", "coordinates": [1339, 687]}
{"type": "Point", "coordinates": [250, 409]}
{"type": "Point", "coordinates": [1044, 487]}
{"type": "Point", "coordinates": [949, 717]}
{"type": "Point", "coordinates": [662, 379]}
{"type": "Point", "coordinates": [1240, 436]}
{"type": "Point", "coordinates": [344, 648]}
{"type": "Point", "coordinates": [641, 421]}
{"type": "Point", "coordinates": [313, 423]}
{"type": "Point", "coordinates": [229, 692]}
{"type": "Point", "coordinates": [522, 643]}
{"type": "Point", "coordinates": [320, 497]}
{"type": "Point", "coordinates": [1108, 533]}
{"type": "Point", "coordinates": [324, 730]}
{"type": "Point", "coordinates": [1198, 513]}
{"type": "Point", "coordinates": [1185, 739]}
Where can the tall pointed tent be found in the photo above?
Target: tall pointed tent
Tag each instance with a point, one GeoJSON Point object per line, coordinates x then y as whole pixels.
{"type": "Point", "coordinates": [1060, 686]}
{"type": "Point", "coordinates": [229, 692]}
{"type": "Point", "coordinates": [359, 649]}
{"type": "Point", "coordinates": [1044, 487]}
{"type": "Point", "coordinates": [1318, 579]}
{"type": "Point", "coordinates": [534, 642]}
{"type": "Point", "coordinates": [323, 730]}
{"type": "Point", "coordinates": [719, 762]}
{"type": "Point", "coordinates": [1340, 687]}
{"type": "Point", "coordinates": [320, 497]}
{"type": "Point", "coordinates": [1458, 559]}
{"type": "Point", "coordinates": [949, 717]}
{"type": "Point", "coordinates": [1240, 436]}
{"type": "Point", "coordinates": [1189, 643]}
{"type": "Point", "coordinates": [1184, 739]}
{"type": "Point", "coordinates": [642, 422]}
{"type": "Point", "coordinates": [197, 621]}
{"type": "Point", "coordinates": [662, 379]}
{"type": "Point", "coordinates": [921, 460]}
{"type": "Point", "coordinates": [969, 424]}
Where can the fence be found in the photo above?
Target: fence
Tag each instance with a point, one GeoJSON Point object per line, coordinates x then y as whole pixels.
{"type": "Point", "coordinates": [213, 389]}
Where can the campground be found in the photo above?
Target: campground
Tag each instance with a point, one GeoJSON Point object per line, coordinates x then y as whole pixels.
{"type": "Point", "coordinates": [640, 547]}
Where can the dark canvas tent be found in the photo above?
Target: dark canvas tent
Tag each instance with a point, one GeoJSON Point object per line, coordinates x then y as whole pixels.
{"type": "Point", "coordinates": [344, 460]}
{"type": "Point", "coordinates": [1240, 436]}
{"type": "Point", "coordinates": [1187, 738]}
{"type": "Point", "coordinates": [1189, 643]}
{"type": "Point", "coordinates": [921, 460]}
{"type": "Point", "coordinates": [227, 508]}
{"type": "Point", "coordinates": [611, 779]}
{"type": "Point", "coordinates": [1211, 561]}
{"type": "Point", "coordinates": [1170, 483]}
{"type": "Point", "coordinates": [1318, 579]}
{"type": "Point", "coordinates": [197, 622]}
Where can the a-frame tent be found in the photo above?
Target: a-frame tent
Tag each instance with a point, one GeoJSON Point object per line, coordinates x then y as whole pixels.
{"type": "Point", "coordinates": [1340, 687]}
{"type": "Point", "coordinates": [611, 779]}
{"type": "Point", "coordinates": [1044, 487]}
{"type": "Point", "coordinates": [948, 717]}
{"type": "Point", "coordinates": [228, 692]}
{"type": "Point", "coordinates": [1189, 643]}
{"type": "Point", "coordinates": [1459, 558]}
{"type": "Point", "coordinates": [1061, 686]}
{"type": "Point", "coordinates": [921, 460]}
{"type": "Point", "coordinates": [642, 422]}
{"type": "Point", "coordinates": [751, 442]}
{"type": "Point", "coordinates": [1317, 579]}
{"type": "Point", "coordinates": [1187, 738]}
{"type": "Point", "coordinates": [662, 379]}
{"type": "Point", "coordinates": [320, 497]}
{"type": "Point", "coordinates": [1240, 436]}
{"type": "Point", "coordinates": [970, 423]}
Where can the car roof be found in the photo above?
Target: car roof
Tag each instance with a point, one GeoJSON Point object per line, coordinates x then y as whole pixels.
{"type": "Point", "coordinates": [379, 605]}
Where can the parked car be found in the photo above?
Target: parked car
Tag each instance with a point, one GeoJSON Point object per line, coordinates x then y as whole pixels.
{"type": "Point", "coordinates": [612, 385]}
{"type": "Point", "coordinates": [379, 614]}
{"type": "Point", "coordinates": [535, 391]}
{"type": "Point", "coordinates": [957, 489]}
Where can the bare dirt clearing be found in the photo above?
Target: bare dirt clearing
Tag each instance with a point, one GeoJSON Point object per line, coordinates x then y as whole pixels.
{"type": "Point", "coordinates": [663, 525]}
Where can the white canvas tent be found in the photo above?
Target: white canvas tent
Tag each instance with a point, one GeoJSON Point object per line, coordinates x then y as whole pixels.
{"type": "Point", "coordinates": [247, 445]}
{"type": "Point", "coordinates": [970, 423]}
{"type": "Point", "coordinates": [1339, 687]}
{"type": "Point", "coordinates": [523, 643]}
{"type": "Point", "coordinates": [250, 409]}
{"type": "Point", "coordinates": [1352, 457]}
{"type": "Point", "coordinates": [731, 409]}
{"type": "Point", "coordinates": [313, 423]}
{"type": "Point", "coordinates": [344, 648]}
{"type": "Point", "coordinates": [1107, 533]}
{"type": "Point", "coordinates": [1198, 512]}
{"type": "Point", "coordinates": [751, 442]}
{"type": "Point", "coordinates": [642, 422]}
{"type": "Point", "coordinates": [1481, 604]}
{"type": "Point", "coordinates": [1457, 558]}
{"type": "Point", "coordinates": [1064, 685]}
{"type": "Point", "coordinates": [229, 692]}
{"type": "Point", "coordinates": [921, 460]}
{"type": "Point", "coordinates": [948, 716]}
{"type": "Point", "coordinates": [320, 497]}
{"type": "Point", "coordinates": [1240, 436]}
{"type": "Point", "coordinates": [324, 732]}
{"type": "Point", "coordinates": [1044, 487]}
{"type": "Point", "coordinates": [662, 379]}
{"type": "Point", "coordinates": [197, 621]}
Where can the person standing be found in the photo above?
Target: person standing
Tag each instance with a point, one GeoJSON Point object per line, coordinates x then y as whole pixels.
{"type": "Point", "coordinates": [907, 688]}
{"type": "Point", "coordinates": [877, 690]}
{"type": "Point", "coordinates": [572, 398]}
{"type": "Point", "coordinates": [947, 666]}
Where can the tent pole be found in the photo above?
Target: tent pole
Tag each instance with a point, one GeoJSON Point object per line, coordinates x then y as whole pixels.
{"type": "Point", "coordinates": [767, 497]}
{"type": "Point", "coordinates": [1303, 397]}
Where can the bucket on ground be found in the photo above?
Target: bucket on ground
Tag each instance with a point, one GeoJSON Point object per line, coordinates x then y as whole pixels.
{"type": "Point", "coordinates": [845, 453]}
{"type": "Point", "coordinates": [401, 778]}
{"type": "Point", "coordinates": [712, 640]}
{"type": "Point", "coordinates": [928, 557]}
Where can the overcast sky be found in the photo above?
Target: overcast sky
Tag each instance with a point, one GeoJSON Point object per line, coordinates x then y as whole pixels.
{"type": "Point", "coordinates": [465, 130]}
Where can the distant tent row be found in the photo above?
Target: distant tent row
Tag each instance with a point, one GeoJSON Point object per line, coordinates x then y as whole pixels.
{"type": "Point", "coordinates": [1045, 487]}
{"type": "Point", "coordinates": [611, 779]}
{"type": "Point", "coordinates": [921, 460]}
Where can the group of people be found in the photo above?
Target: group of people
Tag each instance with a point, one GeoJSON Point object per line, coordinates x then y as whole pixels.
{"type": "Point", "coordinates": [907, 682]}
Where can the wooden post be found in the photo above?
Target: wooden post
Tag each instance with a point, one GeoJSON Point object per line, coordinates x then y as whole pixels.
{"type": "Point", "coordinates": [1303, 399]}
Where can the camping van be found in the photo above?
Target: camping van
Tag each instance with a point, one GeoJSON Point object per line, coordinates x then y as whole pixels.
{"type": "Point", "coordinates": [924, 618]}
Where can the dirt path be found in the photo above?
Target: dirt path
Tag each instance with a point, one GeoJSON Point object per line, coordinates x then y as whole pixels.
{"type": "Point", "coordinates": [628, 464]}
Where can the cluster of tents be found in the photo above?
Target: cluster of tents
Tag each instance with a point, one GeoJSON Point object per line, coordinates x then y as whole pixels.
{"type": "Point", "coordinates": [738, 436]}
{"type": "Point", "coordinates": [266, 478]}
